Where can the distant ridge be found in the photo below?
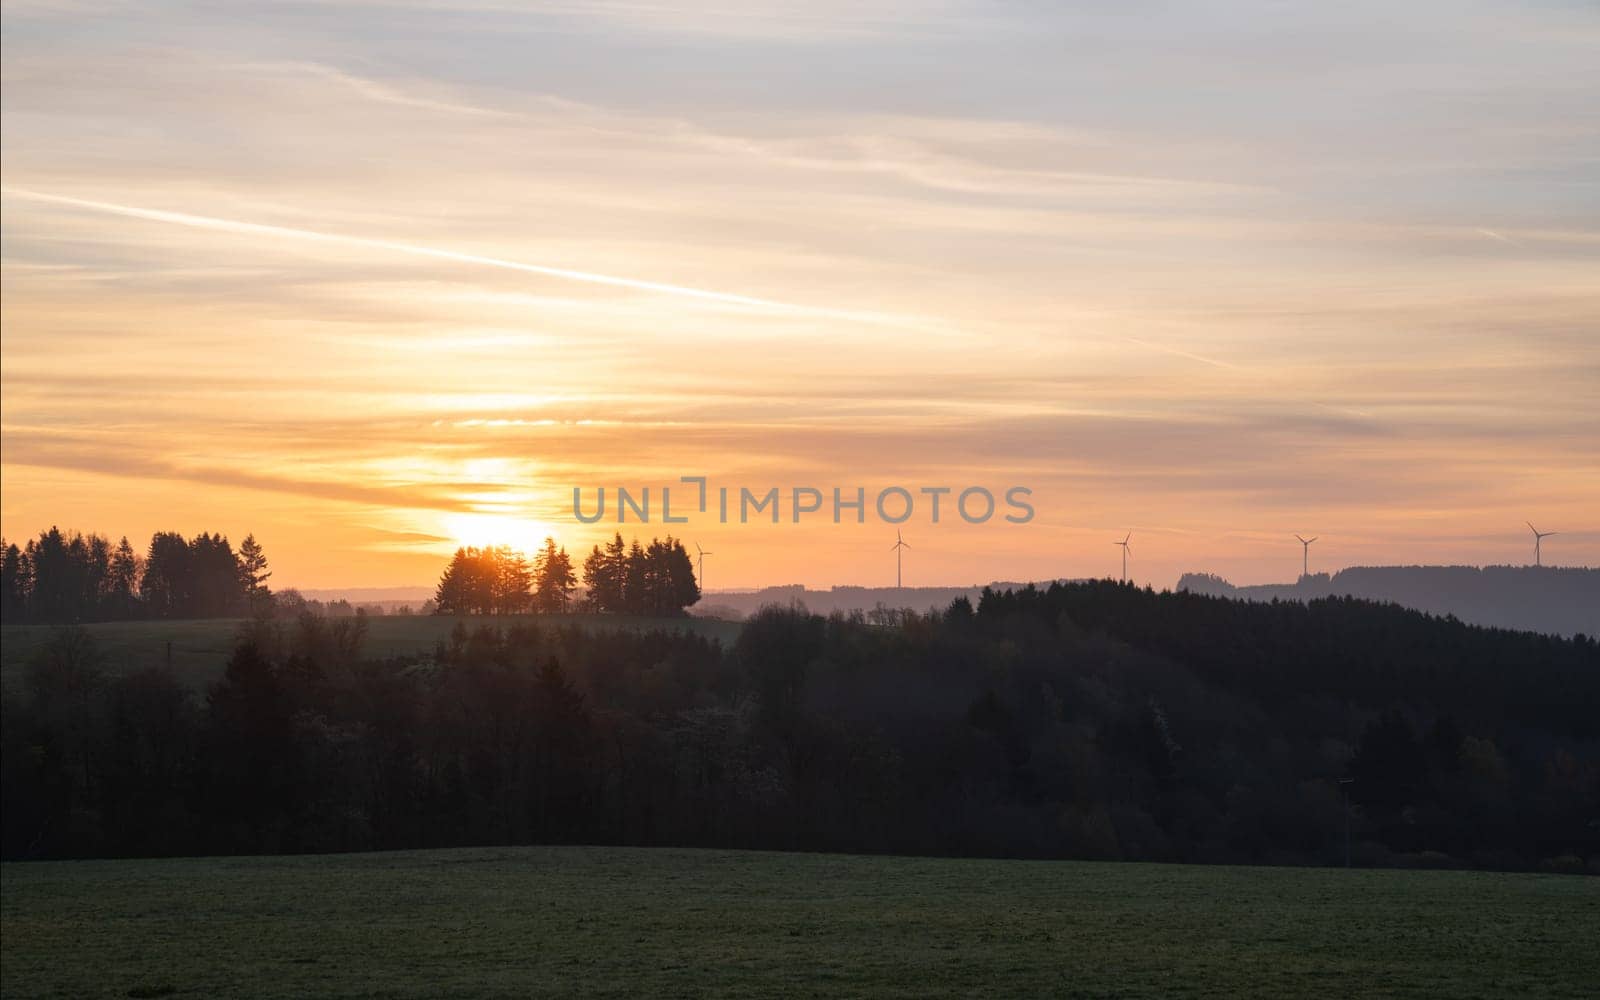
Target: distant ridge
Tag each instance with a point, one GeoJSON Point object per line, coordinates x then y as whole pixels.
{"type": "Point", "coordinates": [1551, 599]}
{"type": "Point", "coordinates": [846, 598]}
{"type": "Point", "coordinates": [382, 596]}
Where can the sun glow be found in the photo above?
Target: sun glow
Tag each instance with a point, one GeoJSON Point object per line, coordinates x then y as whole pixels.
{"type": "Point", "coordinates": [482, 530]}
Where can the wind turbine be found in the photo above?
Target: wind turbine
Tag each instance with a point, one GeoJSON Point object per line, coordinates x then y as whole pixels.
{"type": "Point", "coordinates": [702, 573]}
{"type": "Point", "coordinates": [1538, 536]}
{"type": "Point", "coordinates": [1305, 555]}
{"type": "Point", "coordinates": [1125, 551]}
{"type": "Point", "coordinates": [899, 543]}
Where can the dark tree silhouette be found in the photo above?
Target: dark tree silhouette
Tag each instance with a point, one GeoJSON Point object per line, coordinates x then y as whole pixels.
{"type": "Point", "coordinates": [1085, 720]}
{"type": "Point", "coordinates": [657, 579]}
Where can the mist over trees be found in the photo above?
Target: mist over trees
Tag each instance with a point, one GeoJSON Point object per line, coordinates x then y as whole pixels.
{"type": "Point", "coordinates": [1560, 599]}
{"type": "Point", "coordinates": [1087, 720]}
{"type": "Point", "coordinates": [70, 577]}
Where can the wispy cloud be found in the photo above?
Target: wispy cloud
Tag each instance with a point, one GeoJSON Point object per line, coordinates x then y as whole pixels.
{"type": "Point", "coordinates": [343, 271]}
{"type": "Point", "coordinates": [453, 256]}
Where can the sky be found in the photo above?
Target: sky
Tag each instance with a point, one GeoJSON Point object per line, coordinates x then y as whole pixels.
{"type": "Point", "coordinates": [375, 279]}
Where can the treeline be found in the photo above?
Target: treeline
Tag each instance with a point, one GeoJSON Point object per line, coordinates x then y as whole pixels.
{"type": "Point", "coordinates": [1091, 721]}
{"type": "Point", "coordinates": [502, 581]}
{"type": "Point", "coordinates": [71, 577]}
{"type": "Point", "coordinates": [656, 579]}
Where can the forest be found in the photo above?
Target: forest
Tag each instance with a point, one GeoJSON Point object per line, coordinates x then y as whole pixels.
{"type": "Point", "coordinates": [1090, 720]}
{"type": "Point", "coordinates": [71, 577]}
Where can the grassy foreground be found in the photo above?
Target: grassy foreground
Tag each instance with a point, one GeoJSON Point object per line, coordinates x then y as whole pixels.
{"type": "Point", "coordinates": [577, 921]}
{"type": "Point", "coordinates": [199, 649]}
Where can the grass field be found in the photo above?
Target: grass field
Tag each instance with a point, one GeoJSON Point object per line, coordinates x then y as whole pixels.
{"type": "Point", "coordinates": [200, 648]}
{"type": "Point", "coordinates": [577, 921]}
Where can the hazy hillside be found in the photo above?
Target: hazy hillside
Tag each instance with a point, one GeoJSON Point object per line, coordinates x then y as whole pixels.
{"type": "Point", "coordinates": [740, 603]}
{"type": "Point", "coordinates": [1560, 600]}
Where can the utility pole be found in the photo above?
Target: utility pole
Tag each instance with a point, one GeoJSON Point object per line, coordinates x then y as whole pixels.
{"type": "Point", "coordinates": [1344, 793]}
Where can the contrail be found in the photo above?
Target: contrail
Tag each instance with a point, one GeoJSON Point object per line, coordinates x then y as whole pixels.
{"type": "Point", "coordinates": [1178, 353]}
{"type": "Point", "coordinates": [566, 274]}
{"type": "Point", "coordinates": [1499, 236]}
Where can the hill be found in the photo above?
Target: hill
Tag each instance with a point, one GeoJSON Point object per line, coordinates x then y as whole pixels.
{"type": "Point", "coordinates": [196, 650]}
{"type": "Point", "coordinates": [1093, 721]}
{"type": "Point", "coordinates": [846, 599]}
{"type": "Point", "coordinates": [1550, 599]}
{"type": "Point", "coordinates": [609, 922]}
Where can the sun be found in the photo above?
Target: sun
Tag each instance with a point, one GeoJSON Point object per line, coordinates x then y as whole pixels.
{"type": "Point", "coordinates": [484, 530]}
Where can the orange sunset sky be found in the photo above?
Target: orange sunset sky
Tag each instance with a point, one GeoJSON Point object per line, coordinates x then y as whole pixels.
{"type": "Point", "coordinates": [373, 279]}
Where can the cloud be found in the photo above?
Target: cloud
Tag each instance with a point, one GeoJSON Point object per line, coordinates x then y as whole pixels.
{"type": "Point", "coordinates": [565, 274]}
{"type": "Point", "coordinates": [1212, 267]}
{"type": "Point", "coordinates": [374, 90]}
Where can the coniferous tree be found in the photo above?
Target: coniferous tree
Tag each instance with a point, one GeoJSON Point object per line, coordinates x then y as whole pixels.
{"type": "Point", "coordinates": [166, 586]}
{"type": "Point", "coordinates": [555, 579]}
{"type": "Point", "coordinates": [253, 574]}
{"type": "Point", "coordinates": [513, 580]}
{"type": "Point", "coordinates": [13, 582]}
{"type": "Point", "coordinates": [124, 581]}
{"type": "Point", "coordinates": [604, 573]}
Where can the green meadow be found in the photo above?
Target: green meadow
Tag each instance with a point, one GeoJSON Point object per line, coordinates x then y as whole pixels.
{"type": "Point", "coordinates": [617, 922]}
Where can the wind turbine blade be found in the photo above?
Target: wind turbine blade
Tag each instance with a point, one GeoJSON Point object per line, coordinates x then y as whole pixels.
{"type": "Point", "coordinates": [1312, 540]}
{"type": "Point", "coordinates": [1531, 527]}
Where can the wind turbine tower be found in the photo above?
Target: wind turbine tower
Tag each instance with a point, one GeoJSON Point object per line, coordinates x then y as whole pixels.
{"type": "Point", "coordinates": [1538, 536]}
{"type": "Point", "coordinates": [702, 572]}
{"type": "Point", "coordinates": [1125, 550]}
{"type": "Point", "coordinates": [1305, 555]}
{"type": "Point", "coordinates": [899, 543]}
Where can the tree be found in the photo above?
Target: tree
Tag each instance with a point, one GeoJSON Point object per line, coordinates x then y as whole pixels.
{"type": "Point", "coordinates": [124, 581]}
{"type": "Point", "coordinates": [483, 581]}
{"type": "Point", "coordinates": [14, 582]}
{"type": "Point", "coordinates": [554, 579]}
{"type": "Point", "coordinates": [603, 573]}
{"type": "Point", "coordinates": [52, 598]}
{"type": "Point", "coordinates": [217, 585]}
{"type": "Point", "coordinates": [253, 575]}
{"type": "Point", "coordinates": [452, 595]}
{"type": "Point", "coordinates": [166, 584]}
{"type": "Point", "coordinates": [513, 577]}
{"type": "Point", "coordinates": [634, 579]}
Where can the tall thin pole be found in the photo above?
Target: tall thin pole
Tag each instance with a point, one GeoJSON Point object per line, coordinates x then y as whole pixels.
{"type": "Point", "coordinates": [898, 585]}
{"type": "Point", "coordinates": [1344, 794]}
